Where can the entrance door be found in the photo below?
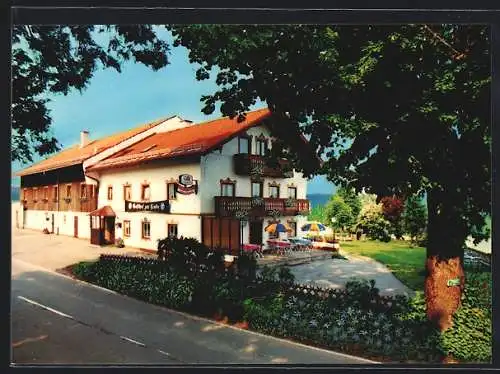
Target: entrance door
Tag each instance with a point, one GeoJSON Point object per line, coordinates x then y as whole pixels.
{"type": "Point", "coordinates": [76, 226]}
{"type": "Point", "coordinates": [109, 230]}
{"type": "Point", "coordinates": [52, 223]}
{"type": "Point", "coordinates": [255, 232]}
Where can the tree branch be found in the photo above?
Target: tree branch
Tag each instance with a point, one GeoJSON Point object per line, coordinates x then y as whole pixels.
{"type": "Point", "coordinates": [456, 54]}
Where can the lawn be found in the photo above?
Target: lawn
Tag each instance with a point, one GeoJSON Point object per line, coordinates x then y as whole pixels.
{"type": "Point", "coordinates": [407, 263]}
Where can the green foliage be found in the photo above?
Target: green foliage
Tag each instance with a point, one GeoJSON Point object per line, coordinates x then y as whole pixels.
{"type": "Point", "coordinates": [375, 226]}
{"type": "Point", "coordinates": [352, 199]}
{"type": "Point", "coordinates": [187, 256]}
{"type": "Point", "coordinates": [470, 338]}
{"type": "Point", "coordinates": [50, 60]}
{"type": "Point", "coordinates": [318, 214]}
{"type": "Point", "coordinates": [338, 209]}
{"type": "Point", "coordinates": [356, 320]}
{"type": "Point", "coordinates": [415, 218]}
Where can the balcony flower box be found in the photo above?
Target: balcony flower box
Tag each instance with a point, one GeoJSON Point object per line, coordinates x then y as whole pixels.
{"type": "Point", "coordinates": [257, 201]}
{"type": "Point", "coordinates": [290, 202]}
{"type": "Point", "coordinates": [67, 199]}
{"type": "Point", "coordinates": [84, 199]}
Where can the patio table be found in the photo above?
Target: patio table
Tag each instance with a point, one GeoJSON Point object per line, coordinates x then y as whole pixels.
{"type": "Point", "coordinates": [254, 248]}
{"type": "Point", "coordinates": [280, 245]}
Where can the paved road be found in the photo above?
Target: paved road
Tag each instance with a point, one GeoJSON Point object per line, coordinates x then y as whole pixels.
{"type": "Point", "coordinates": [59, 320]}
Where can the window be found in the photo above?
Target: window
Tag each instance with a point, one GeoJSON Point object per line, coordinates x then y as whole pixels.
{"type": "Point", "coordinates": [227, 189]}
{"type": "Point", "coordinates": [146, 229]}
{"type": "Point", "coordinates": [172, 230]}
{"type": "Point", "coordinates": [127, 192]}
{"type": "Point", "coordinates": [256, 189]}
{"type": "Point", "coordinates": [292, 192]}
{"type": "Point", "coordinates": [35, 194]}
{"type": "Point", "coordinates": [261, 147]}
{"type": "Point", "coordinates": [274, 192]}
{"type": "Point", "coordinates": [126, 228]}
{"type": "Point", "coordinates": [110, 192]}
{"type": "Point", "coordinates": [91, 191]}
{"type": "Point", "coordinates": [68, 191]}
{"type": "Point", "coordinates": [145, 192]}
{"type": "Point", "coordinates": [46, 193]}
{"type": "Point", "coordinates": [171, 191]}
{"type": "Point", "coordinates": [56, 193]}
{"type": "Point", "coordinates": [83, 191]}
{"type": "Point", "coordinates": [243, 144]}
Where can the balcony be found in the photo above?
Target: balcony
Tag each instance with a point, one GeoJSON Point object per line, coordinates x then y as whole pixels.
{"type": "Point", "coordinates": [267, 207]}
{"type": "Point", "coordinates": [255, 165]}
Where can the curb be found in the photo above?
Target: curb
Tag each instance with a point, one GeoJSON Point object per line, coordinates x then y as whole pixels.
{"type": "Point", "coordinates": [198, 318]}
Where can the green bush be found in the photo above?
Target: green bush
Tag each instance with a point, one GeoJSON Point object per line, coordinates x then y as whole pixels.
{"type": "Point", "coordinates": [470, 337]}
{"type": "Point", "coordinates": [189, 257]}
{"type": "Point", "coordinates": [356, 318]}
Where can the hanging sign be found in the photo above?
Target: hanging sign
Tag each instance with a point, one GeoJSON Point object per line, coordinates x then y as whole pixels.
{"type": "Point", "coordinates": [152, 206]}
{"type": "Point", "coordinates": [187, 185]}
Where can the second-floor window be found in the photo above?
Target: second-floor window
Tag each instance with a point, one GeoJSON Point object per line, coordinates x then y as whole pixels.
{"type": "Point", "coordinates": [46, 193]}
{"type": "Point", "coordinates": [35, 194]}
{"type": "Point", "coordinates": [261, 147]}
{"type": "Point", "coordinates": [243, 144]}
{"type": "Point", "coordinates": [110, 192]}
{"type": "Point", "coordinates": [145, 192]}
{"type": "Point", "coordinates": [68, 191]}
{"type": "Point", "coordinates": [274, 192]}
{"type": "Point", "coordinates": [56, 193]}
{"type": "Point", "coordinates": [127, 192]}
{"type": "Point", "coordinates": [257, 189]}
{"type": "Point", "coordinates": [83, 191]}
{"type": "Point", "coordinates": [227, 189]}
{"type": "Point", "coordinates": [292, 192]}
{"type": "Point", "coordinates": [171, 191]}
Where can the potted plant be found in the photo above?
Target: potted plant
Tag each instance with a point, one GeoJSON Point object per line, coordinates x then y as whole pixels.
{"type": "Point", "coordinates": [257, 201]}
{"type": "Point", "coordinates": [290, 202]}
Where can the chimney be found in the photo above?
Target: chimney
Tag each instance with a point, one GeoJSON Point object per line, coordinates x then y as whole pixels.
{"type": "Point", "coordinates": [84, 138]}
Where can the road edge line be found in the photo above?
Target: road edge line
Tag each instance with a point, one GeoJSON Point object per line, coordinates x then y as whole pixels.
{"type": "Point", "coordinates": [48, 308]}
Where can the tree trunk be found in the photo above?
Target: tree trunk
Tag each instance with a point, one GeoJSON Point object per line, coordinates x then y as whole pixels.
{"type": "Point", "coordinates": [446, 236]}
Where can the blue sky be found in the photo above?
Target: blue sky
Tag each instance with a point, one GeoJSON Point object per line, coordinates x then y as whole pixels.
{"type": "Point", "coordinates": [117, 101]}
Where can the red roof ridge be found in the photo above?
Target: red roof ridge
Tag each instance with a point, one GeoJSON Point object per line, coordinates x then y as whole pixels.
{"type": "Point", "coordinates": [38, 166]}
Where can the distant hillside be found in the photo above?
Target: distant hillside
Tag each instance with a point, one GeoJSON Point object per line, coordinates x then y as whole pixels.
{"type": "Point", "coordinates": [318, 199]}
{"type": "Point", "coordinates": [15, 193]}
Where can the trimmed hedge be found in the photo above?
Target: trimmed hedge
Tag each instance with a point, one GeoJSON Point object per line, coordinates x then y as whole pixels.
{"type": "Point", "coordinates": [355, 319]}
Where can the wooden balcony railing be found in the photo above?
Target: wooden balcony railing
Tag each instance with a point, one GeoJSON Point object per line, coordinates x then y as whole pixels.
{"type": "Point", "coordinates": [258, 207]}
{"type": "Point", "coordinates": [245, 164]}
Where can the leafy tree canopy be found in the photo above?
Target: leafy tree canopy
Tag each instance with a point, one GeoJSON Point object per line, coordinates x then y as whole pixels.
{"type": "Point", "coordinates": [413, 101]}
{"type": "Point", "coordinates": [56, 59]}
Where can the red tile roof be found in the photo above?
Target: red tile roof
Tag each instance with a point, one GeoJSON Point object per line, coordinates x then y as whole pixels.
{"type": "Point", "coordinates": [105, 211]}
{"type": "Point", "coordinates": [193, 140]}
{"type": "Point", "coordinates": [75, 155]}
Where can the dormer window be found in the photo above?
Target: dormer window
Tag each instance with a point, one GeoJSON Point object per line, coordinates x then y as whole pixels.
{"type": "Point", "coordinates": [244, 144]}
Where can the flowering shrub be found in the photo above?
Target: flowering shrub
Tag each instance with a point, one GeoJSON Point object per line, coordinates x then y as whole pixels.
{"type": "Point", "coordinates": [356, 319]}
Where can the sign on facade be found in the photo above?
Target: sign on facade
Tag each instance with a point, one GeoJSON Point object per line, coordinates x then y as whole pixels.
{"type": "Point", "coordinates": [153, 206]}
{"type": "Point", "coordinates": [187, 185]}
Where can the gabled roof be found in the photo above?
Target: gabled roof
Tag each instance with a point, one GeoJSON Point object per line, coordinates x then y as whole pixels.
{"type": "Point", "coordinates": [75, 155]}
{"type": "Point", "coordinates": [193, 140]}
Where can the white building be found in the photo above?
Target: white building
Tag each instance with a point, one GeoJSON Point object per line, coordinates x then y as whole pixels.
{"type": "Point", "coordinates": [211, 181]}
